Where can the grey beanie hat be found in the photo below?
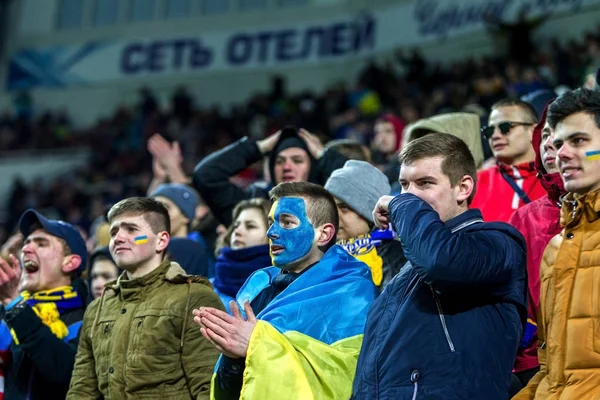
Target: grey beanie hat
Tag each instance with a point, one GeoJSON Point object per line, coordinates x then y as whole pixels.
{"type": "Point", "coordinates": [359, 185]}
{"type": "Point", "coordinates": [184, 197]}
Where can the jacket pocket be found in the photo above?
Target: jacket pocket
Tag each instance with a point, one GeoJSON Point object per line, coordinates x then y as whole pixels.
{"type": "Point", "coordinates": [596, 334]}
{"type": "Point", "coordinates": [154, 344]}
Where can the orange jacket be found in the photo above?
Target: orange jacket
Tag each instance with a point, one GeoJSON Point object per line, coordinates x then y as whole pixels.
{"type": "Point", "coordinates": [569, 317]}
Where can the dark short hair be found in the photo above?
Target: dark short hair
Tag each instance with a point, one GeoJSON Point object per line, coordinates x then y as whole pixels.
{"type": "Point", "coordinates": [154, 213]}
{"type": "Point", "coordinates": [351, 149]}
{"type": "Point", "coordinates": [320, 208]}
{"type": "Point", "coordinates": [457, 158]}
{"type": "Point", "coordinates": [530, 113]}
{"type": "Point", "coordinates": [572, 102]}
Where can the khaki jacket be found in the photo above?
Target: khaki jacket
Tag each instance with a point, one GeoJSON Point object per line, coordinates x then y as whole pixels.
{"type": "Point", "coordinates": [139, 340]}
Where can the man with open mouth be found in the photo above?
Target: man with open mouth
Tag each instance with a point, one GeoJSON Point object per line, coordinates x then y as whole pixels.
{"type": "Point", "coordinates": [304, 317]}
{"type": "Point", "coordinates": [41, 310]}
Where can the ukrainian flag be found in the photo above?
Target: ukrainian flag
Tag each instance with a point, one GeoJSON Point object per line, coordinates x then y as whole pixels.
{"type": "Point", "coordinates": [306, 343]}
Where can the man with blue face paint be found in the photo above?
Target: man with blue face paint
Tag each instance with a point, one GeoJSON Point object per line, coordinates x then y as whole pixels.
{"type": "Point", "coordinates": [310, 309]}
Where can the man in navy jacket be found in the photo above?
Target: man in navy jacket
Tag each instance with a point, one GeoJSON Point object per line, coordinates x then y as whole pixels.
{"type": "Point", "coordinates": [449, 324]}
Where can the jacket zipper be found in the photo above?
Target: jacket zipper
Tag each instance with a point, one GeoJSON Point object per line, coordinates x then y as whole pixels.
{"type": "Point", "coordinates": [443, 320]}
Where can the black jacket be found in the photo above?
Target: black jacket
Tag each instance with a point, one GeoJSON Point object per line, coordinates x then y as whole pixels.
{"type": "Point", "coordinates": [41, 364]}
{"type": "Point", "coordinates": [212, 174]}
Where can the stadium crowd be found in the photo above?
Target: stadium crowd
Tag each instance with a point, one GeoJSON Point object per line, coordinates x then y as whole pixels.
{"type": "Point", "coordinates": [429, 232]}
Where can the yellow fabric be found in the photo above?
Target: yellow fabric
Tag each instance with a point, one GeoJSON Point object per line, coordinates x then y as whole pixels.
{"type": "Point", "coordinates": [296, 366]}
{"type": "Point", "coordinates": [362, 249]}
{"type": "Point", "coordinates": [48, 313]}
{"type": "Point", "coordinates": [375, 263]}
{"type": "Point", "coordinates": [569, 317]}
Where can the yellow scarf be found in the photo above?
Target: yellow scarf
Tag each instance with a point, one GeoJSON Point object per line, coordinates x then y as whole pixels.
{"type": "Point", "coordinates": [48, 311]}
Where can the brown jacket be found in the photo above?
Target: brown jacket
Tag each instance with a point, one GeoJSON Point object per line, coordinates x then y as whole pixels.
{"type": "Point", "coordinates": [139, 340]}
{"type": "Point", "coordinates": [569, 318]}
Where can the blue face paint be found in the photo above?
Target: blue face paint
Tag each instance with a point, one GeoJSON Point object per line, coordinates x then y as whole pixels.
{"type": "Point", "coordinates": [296, 242]}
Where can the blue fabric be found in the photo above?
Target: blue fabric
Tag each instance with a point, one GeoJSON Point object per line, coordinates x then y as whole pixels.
{"type": "Point", "coordinates": [197, 237]}
{"type": "Point", "coordinates": [73, 331]}
{"type": "Point", "coordinates": [296, 242]}
{"type": "Point", "coordinates": [469, 274]}
{"type": "Point", "coordinates": [13, 303]}
{"type": "Point", "coordinates": [328, 302]}
{"type": "Point", "coordinates": [234, 267]}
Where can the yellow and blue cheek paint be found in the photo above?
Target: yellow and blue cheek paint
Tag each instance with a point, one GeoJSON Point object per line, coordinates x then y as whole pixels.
{"type": "Point", "coordinates": [140, 239]}
{"type": "Point", "coordinates": [593, 155]}
{"type": "Point", "coordinates": [296, 242]}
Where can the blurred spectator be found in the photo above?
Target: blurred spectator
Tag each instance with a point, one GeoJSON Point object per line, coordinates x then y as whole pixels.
{"type": "Point", "coordinates": [512, 182]}
{"type": "Point", "coordinates": [539, 222]}
{"type": "Point", "coordinates": [356, 189]}
{"type": "Point", "coordinates": [102, 269]}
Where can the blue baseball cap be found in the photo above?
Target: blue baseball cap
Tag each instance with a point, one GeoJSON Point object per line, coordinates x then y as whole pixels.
{"type": "Point", "coordinates": [60, 229]}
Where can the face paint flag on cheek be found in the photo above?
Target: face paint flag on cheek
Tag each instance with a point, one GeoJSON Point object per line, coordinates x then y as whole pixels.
{"type": "Point", "coordinates": [296, 242]}
{"type": "Point", "coordinates": [141, 239]}
{"type": "Point", "coordinates": [593, 155]}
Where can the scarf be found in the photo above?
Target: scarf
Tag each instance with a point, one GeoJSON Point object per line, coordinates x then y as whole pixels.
{"type": "Point", "coordinates": [234, 267]}
{"type": "Point", "coordinates": [364, 248]}
{"type": "Point", "coordinates": [48, 305]}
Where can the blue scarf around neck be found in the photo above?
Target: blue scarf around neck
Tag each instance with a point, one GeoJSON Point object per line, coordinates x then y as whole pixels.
{"type": "Point", "coordinates": [234, 267]}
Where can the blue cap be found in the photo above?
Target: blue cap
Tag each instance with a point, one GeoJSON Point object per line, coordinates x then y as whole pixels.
{"type": "Point", "coordinates": [184, 197]}
{"type": "Point", "coordinates": [60, 229]}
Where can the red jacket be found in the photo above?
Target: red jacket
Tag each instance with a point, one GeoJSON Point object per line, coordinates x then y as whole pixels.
{"type": "Point", "coordinates": [496, 198]}
{"type": "Point", "coordinates": [538, 222]}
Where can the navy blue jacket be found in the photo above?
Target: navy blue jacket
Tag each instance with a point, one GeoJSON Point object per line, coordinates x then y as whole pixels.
{"type": "Point", "coordinates": [449, 324]}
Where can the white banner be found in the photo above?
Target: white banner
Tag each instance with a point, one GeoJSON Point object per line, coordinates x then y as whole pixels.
{"type": "Point", "coordinates": [341, 38]}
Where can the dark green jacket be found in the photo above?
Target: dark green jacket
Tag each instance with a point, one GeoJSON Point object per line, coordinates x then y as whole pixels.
{"type": "Point", "coordinates": [139, 340]}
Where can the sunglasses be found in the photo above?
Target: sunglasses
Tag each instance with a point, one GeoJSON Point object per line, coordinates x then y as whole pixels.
{"type": "Point", "coordinates": [504, 127]}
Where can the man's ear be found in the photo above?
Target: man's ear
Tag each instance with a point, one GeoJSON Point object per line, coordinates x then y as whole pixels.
{"type": "Point", "coordinates": [326, 235]}
{"type": "Point", "coordinates": [71, 263]}
{"type": "Point", "coordinates": [465, 187]}
{"type": "Point", "coordinates": [162, 241]}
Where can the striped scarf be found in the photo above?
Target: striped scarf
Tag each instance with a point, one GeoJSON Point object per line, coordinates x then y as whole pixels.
{"type": "Point", "coordinates": [49, 305]}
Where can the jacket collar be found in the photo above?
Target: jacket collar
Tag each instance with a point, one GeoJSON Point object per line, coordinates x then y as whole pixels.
{"type": "Point", "coordinates": [467, 218]}
{"type": "Point", "coordinates": [517, 171]}
{"type": "Point", "coordinates": [575, 206]}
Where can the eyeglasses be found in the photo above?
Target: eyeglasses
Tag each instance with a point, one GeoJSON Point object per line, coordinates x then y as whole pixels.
{"type": "Point", "coordinates": [504, 127]}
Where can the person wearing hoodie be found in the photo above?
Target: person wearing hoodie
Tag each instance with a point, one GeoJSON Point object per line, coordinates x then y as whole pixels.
{"type": "Point", "coordinates": [139, 337]}
{"type": "Point", "coordinates": [538, 222]}
{"type": "Point", "coordinates": [356, 189]}
{"type": "Point", "coordinates": [387, 142]}
{"type": "Point", "coordinates": [244, 248]}
{"type": "Point", "coordinates": [294, 156]}
{"type": "Point", "coordinates": [463, 125]}
{"type": "Point", "coordinates": [568, 319]}
{"type": "Point", "coordinates": [512, 182]}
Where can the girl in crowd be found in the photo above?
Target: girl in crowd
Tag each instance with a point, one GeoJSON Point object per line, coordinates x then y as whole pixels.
{"type": "Point", "coordinates": [101, 271]}
{"type": "Point", "coordinates": [243, 248]}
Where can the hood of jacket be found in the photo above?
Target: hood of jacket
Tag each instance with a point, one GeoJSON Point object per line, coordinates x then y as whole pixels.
{"type": "Point", "coordinates": [551, 182]}
{"type": "Point", "coordinates": [465, 126]}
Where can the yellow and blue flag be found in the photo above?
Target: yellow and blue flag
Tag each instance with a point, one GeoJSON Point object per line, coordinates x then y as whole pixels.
{"type": "Point", "coordinates": [306, 343]}
{"type": "Point", "coordinates": [141, 239]}
{"type": "Point", "coordinates": [593, 155]}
